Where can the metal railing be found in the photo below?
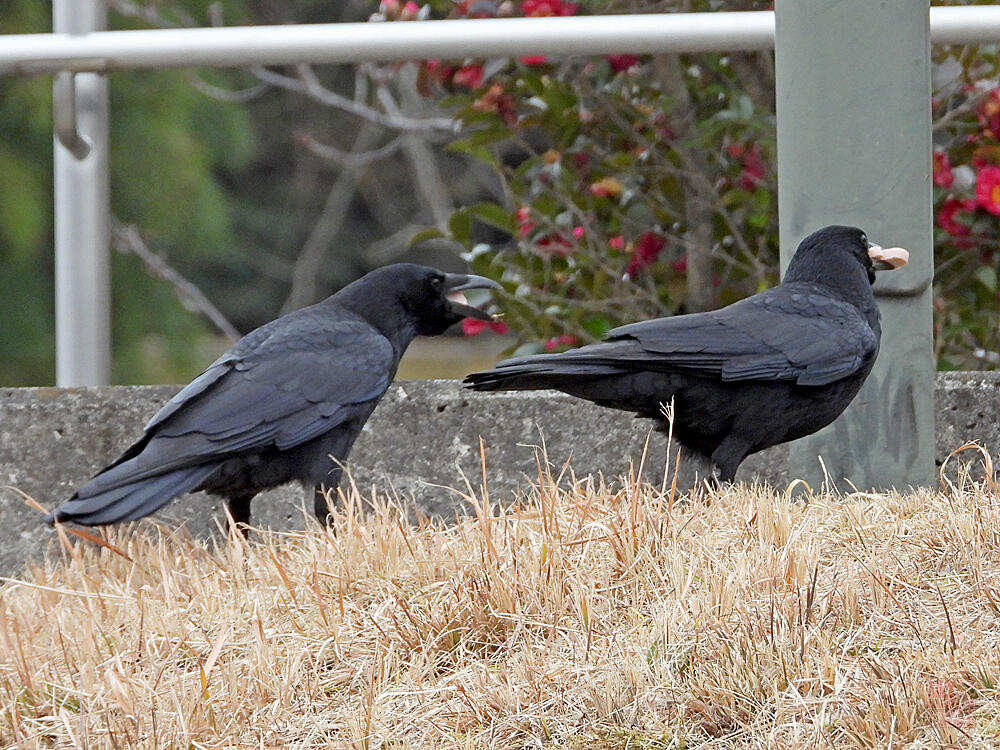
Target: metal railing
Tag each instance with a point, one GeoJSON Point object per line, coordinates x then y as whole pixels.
{"type": "Point", "coordinates": [105, 51]}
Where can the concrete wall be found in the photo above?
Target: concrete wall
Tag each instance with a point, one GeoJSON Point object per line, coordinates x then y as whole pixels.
{"type": "Point", "coordinates": [421, 439]}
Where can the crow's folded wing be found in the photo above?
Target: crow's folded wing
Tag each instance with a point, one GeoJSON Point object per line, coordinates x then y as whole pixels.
{"type": "Point", "coordinates": [275, 388]}
{"type": "Point", "coordinates": [784, 333]}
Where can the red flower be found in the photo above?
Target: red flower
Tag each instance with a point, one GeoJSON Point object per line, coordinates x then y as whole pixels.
{"type": "Point", "coordinates": [524, 223]}
{"type": "Point", "coordinates": [540, 8]}
{"type": "Point", "coordinates": [680, 265]}
{"type": "Point", "coordinates": [942, 169]}
{"type": "Point", "coordinates": [947, 216]}
{"type": "Point", "coordinates": [544, 8]}
{"type": "Point", "coordinates": [753, 168]}
{"type": "Point", "coordinates": [621, 62]}
{"type": "Point", "coordinates": [497, 100]}
{"type": "Point", "coordinates": [474, 327]}
{"type": "Point", "coordinates": [617, 242]}
{"type": "Point", "coordinates": [470, 76]}
{"type": "Point", "coordinates": [988, 189]}
{"type": "Point", "coordinates": [647, 249]}
{"type": "Point", "coordinates": [439, 71]}
{"type": "Point", "coordinates": [554, 244]}
{"type": "Point", "coordinates": [753, 165]}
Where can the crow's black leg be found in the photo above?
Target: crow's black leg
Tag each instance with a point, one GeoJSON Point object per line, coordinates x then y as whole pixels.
{"type": "Point", "coordinates": [239, 511]}
{"type": "Point", "coordinates": [728, 457]}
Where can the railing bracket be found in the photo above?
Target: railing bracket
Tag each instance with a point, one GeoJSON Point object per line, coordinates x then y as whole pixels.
{"type": "Point", "coordinates": [64, 115]}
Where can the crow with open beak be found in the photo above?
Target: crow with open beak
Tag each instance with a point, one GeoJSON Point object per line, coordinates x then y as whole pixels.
{"type": "Point", "coordinates": [285, 403]}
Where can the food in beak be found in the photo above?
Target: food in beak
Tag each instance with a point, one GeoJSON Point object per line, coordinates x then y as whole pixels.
{"type": "Point", "coordinates": [888, 258]}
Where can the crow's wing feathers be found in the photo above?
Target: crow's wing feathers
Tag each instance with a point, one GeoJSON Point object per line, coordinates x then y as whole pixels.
{"type": "Point", "coordinates": [281, 389]}
{"type": "Point", "coordinates": [319, 369]}
{"type": "Point", "coordinates": [791, 332]}
{"type": "Point", "coordinates": [215, 371]}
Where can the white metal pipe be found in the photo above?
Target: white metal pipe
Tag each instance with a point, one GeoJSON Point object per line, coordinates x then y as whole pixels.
{"type": "Point", "coordinates": [83, 282]}
{"type": "Point", "coordinates": [359, 42]}
{"type": "Point", "coordinates": [236, 46]}
{"type": "Point", "coordinates": [972, 24]}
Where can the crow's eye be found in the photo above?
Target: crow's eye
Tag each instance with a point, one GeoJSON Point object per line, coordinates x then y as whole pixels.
{"type": "Point", "coordinates": [864, 238]}
{"type": "Point", "coordinates": [437, 283]}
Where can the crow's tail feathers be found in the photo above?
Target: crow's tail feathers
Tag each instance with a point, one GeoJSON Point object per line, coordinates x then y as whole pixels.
{"type": "Point", "coordinates": [555, 371]}
{"type": "Point", "coordinates": [128, 501]}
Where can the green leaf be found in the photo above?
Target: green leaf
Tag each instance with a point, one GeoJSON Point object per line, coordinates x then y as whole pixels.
{"type": "Point", "coordinates": [460, 226]}
{"type": "Point", "coordinates": [480, 153]}
{"type": "Point", "coordinates": [431, 233]}
{"type": "Point", "coordinates": [987, 276]}
{"type": "Point", "coordinates": [482, 137]}
{"type": "Point", "coordinates": [494, 215]}
{"type": "Point", "coordinates": [597, 326]}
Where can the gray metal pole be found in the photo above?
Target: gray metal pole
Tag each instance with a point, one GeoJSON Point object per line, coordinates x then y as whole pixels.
{"type": "Point", "coordinates": [82, 233]}
{"type": "Point", "coordinates": [854, 124]}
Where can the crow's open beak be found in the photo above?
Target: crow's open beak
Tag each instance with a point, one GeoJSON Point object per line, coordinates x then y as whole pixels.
{"type": "Point", "coordinates": [887, 258]}
{"type": "Point", "coordinates": [456, 283]}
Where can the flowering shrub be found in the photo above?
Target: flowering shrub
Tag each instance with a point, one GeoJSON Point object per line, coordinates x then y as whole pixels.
{"type": "Point", "coordinates": [638, 186]}
{"type": "Point", "coordinates": [966, 162]}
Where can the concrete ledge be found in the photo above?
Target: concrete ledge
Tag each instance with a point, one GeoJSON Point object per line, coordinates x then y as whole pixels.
{"type": "Point", "coordinates": [419, 442]}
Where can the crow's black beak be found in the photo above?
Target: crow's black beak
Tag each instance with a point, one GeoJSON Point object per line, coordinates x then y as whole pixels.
{"type": "Point", "coordinates": [456, 283]}
{"type": "Point", "coordinates": [887, 258]}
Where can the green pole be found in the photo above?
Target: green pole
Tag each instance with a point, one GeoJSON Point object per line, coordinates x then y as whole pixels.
{"type": "Point", "coordinates": [854, 147]}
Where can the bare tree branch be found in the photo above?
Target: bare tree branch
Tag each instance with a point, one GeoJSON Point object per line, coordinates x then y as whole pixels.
{"type": "Point", "coordinates": [351, 159]}
{"type": "Point", "coordinates": [311, 87]}
{"type": "Point", "coordinates": [327, 227]}
{"type": "Point", "coordinates": [755, 70]}
{"type": "Point", "coordinates": [152, 14]}
{"type": "Point", "coordinates": [226, 95]}
{"type": "Point", "coordinates": [698, 204]}
{"type": "Point", "coordinates": [387, 249]}
{"type": "Point", "coordinates": [430, 185]}
{"type": "Point", "coordinates": [125, 238]}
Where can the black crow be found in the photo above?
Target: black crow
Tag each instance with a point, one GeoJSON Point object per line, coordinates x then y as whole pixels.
{"type": "Point", "coordinates": [286, 402]}
{"type": "Point", "coordinates": [765, 370]}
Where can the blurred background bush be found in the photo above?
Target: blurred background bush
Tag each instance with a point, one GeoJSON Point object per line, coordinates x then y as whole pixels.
{"type": "Point", "coordinates": [598, 190]}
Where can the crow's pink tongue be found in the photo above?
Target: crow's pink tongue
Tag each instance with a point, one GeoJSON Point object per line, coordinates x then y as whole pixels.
{"type": "Point", "coordinates": [895, 257]}
{"type": "Point", "coordinates": [459, 304]}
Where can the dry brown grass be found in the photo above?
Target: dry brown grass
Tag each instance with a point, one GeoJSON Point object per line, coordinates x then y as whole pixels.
{"type": "Point", "coordinates": [587, 616]}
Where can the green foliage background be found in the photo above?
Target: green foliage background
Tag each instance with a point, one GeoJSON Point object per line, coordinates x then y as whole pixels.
{"type": "Point", "coordinates": [168, 144]}
{"type": "Point", "coordinates": [226, 194]}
